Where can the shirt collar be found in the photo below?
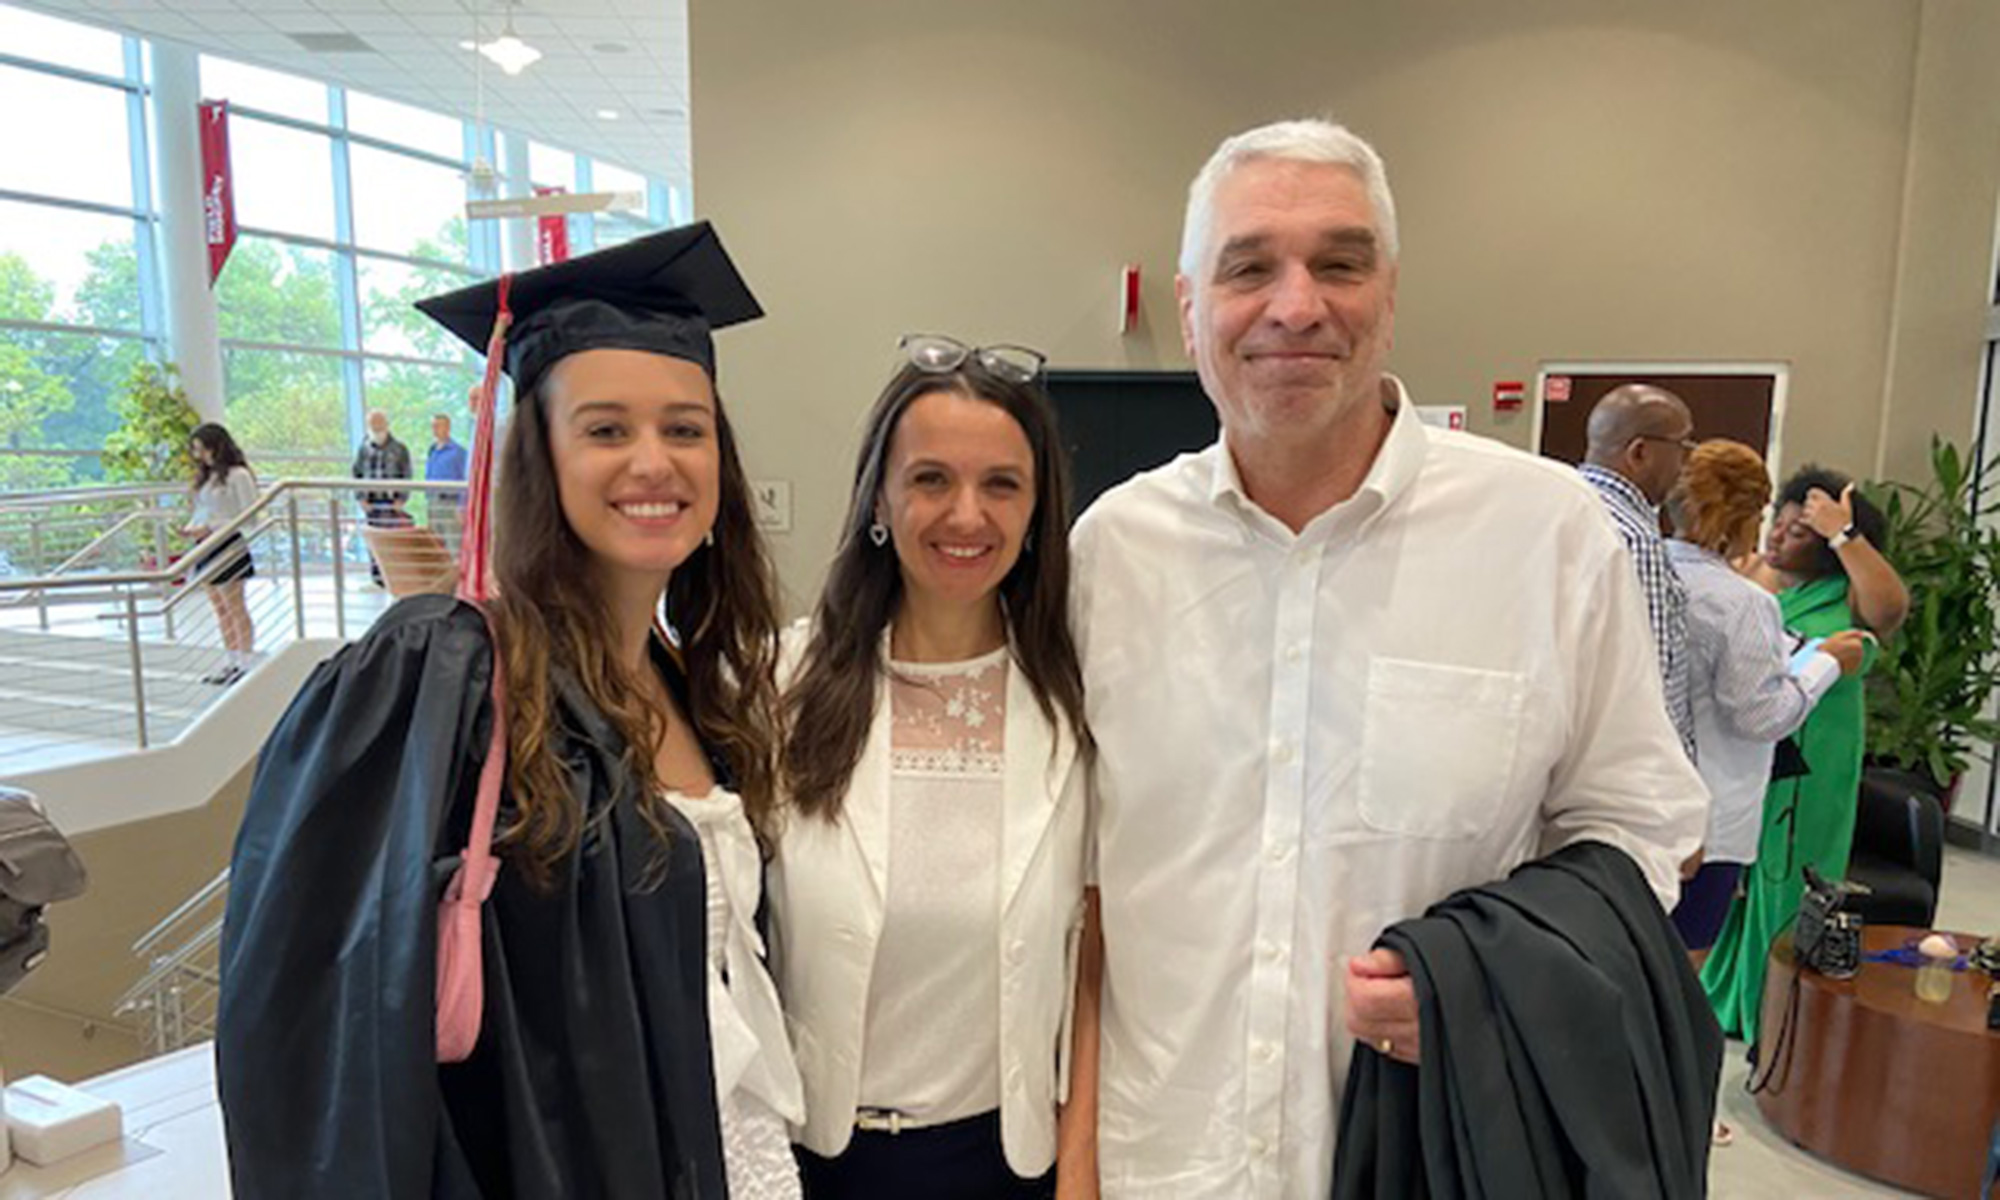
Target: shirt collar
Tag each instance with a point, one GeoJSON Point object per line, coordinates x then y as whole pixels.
{"type": "Point", "coordinates": [1617, 485]}
{"type": "Point", "coordinates": [1679, 551]}
{"type": "Point", "coordinates": [1395, 467]}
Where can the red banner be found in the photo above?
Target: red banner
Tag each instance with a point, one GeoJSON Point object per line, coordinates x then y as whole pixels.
{"type": "Point", "coordinates": [551, 233]}
{"type": "Point", "coordinates": [218, 201]}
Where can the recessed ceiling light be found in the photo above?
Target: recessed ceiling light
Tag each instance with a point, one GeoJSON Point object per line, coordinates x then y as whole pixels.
{"type": "Point", "coordinates": [467, 46]}
{"type": "Point", "coordinates": [611, 47]}
{"type": "Point", "coordinates": [607, 114]}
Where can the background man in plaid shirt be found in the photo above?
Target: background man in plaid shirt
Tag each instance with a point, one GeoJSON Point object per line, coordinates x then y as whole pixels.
{"type": "Point", "coordinates": [1639, 437]}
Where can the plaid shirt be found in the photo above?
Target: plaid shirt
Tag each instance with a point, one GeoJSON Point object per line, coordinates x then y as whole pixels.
{"type": "Point", "coordinates": [1638, 523]}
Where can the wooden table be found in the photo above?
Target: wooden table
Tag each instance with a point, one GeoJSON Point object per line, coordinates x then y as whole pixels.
{"type": "Point", "coordinates": [1877, 1080]}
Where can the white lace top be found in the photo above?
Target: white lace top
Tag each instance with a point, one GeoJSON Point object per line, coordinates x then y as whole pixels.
{"type": "Point", "coordinates": [934, 996]}
{"type": "Point", "coordinates": [757, 1084]}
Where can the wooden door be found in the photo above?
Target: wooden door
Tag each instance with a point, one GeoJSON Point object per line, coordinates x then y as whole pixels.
{"type": "Point", "coordinates": [1741, 406]}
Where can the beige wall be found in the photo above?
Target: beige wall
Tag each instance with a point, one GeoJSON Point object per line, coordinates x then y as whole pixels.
{"type": "Point", "coordinates": [1945, 272]}
{"type": "Point", "coordinates": [1699, 180]}
{"type": "Point", "coordinates": [59, 1022]}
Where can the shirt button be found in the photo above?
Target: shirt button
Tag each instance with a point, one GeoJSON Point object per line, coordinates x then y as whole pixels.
{"type": "Point", "coordinates": [1017, 951]}
{"type": "Point", "coordinates": [1277, 852]}
{"type": "Point", "coordinates": [1258, 1146]}
{"type": "Point", "coordinates": [1294, 652]}
{"type": "Point", "coordinates": [1265, 1052]}
{"type": "Point", "coordinates": [1270, 951]}
{"type": "Point", "coordinates": [1282, 752]}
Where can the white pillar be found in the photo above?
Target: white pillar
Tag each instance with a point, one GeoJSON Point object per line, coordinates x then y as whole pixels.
{"type": "Point", "coordinates": [193, 336]}
{"type": "Point", "coordinates": [518, 233]}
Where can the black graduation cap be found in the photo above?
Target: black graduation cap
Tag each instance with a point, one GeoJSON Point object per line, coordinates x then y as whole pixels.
{"type": "Point", "coordinates": [663, 292]}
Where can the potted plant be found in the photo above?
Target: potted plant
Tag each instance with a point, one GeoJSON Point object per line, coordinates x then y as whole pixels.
{"type": "Point", "coordinates": [150, 444]}
{"type": "Point", "coordinates": [1928, 697]}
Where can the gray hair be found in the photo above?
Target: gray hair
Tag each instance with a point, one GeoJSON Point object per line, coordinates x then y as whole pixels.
{"type": "Point", "coordinates": [1312, 140]}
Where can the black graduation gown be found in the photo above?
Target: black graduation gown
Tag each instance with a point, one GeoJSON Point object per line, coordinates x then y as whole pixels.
{"type": "Point", "coordinates": [592, 1075]}
{"type": "Point", "coordinates": [1568, 1048]}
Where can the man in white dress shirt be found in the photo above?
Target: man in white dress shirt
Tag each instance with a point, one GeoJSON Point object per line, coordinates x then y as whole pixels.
{"type": "Point", "coordinates": [1339, 666]}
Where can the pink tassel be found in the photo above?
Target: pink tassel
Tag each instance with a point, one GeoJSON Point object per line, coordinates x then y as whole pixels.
{"type": "Point", "coordinates": [461, 993]}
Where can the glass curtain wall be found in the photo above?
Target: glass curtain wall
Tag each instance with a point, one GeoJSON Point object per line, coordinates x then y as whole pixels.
{"type": "Point", "coordinates": [349, 206]}
{"type": "Point", "coordinates": [78, 277]}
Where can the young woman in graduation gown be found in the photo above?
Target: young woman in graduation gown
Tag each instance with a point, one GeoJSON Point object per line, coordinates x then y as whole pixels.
{"type": "Point", "coordinates": [620, 498]}
{"type": "Point", "coordinates": [928, 890]}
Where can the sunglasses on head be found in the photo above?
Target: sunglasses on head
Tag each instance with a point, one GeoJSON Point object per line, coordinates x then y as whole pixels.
{"type": "Point", "coordinates": [937, 354]}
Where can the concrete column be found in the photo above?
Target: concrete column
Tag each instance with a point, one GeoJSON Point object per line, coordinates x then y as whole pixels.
{"type": "Point", "coordinates": [193, 335]}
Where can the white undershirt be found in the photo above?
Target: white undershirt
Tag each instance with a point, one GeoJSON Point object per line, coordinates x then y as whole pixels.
{"type": "Point", "coordinates": [932, 1049]}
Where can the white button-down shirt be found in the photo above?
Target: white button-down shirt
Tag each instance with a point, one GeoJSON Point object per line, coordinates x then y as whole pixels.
{"type": "Point", "coordinates": [1305, 739]}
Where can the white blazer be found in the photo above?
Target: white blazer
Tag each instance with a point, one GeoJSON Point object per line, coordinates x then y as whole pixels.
{"type": "Point", "coordinates": [827, 889]}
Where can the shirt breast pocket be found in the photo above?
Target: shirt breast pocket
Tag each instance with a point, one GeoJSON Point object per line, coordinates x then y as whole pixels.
{"type": "Point", "coordinates": [1438, 745]}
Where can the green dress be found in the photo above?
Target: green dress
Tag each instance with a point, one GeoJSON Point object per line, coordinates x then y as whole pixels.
{"type": "Point", "coordinates": [1806, 820]}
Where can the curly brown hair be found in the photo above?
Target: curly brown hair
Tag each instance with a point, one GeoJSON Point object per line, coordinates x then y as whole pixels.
{"type": "Point", "coordinates": [547, 613]}
{"type": "Point", "coordinates": [1720, 499]}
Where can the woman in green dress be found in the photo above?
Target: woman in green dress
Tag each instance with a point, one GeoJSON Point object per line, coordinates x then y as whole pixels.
{"type": "Point", "coordinates": [1826, 552]}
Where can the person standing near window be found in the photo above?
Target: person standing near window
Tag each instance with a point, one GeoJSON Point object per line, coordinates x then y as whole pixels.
{"type": "Point", "coordinates": [445, 464]}
{"type": "Point", "coordinates": [224, 489]}
{"type": "Point", "coordinates": [382, 456]}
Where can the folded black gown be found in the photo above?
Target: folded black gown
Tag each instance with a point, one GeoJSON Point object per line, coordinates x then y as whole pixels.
{"type": "Point", "coordinates": [1568, 1050]}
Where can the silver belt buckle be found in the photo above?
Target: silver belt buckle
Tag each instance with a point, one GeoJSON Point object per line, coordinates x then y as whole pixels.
{"type": "Point", "coordinates": [879, 1120]}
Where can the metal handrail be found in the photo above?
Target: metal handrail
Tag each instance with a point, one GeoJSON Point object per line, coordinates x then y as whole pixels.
{"type": "Point", "coordinates": [103, 539]}
{"type": "Point", "coordinates": [209, 891]}
{"type": "Point", "coordinates": [88, 495]}
{"type": "Point", "coordinates": [172, 963]}
{"type": "Point", "coordinates": [167, 575]}
{"type": "Point", "coordinates": [296, 520]}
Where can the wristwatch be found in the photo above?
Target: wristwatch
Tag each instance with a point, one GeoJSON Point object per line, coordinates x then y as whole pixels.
{"type": "Point", "coordinates": [1842, 538]}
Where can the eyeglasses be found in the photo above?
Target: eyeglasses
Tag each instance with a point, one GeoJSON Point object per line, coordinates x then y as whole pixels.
{"type": "Point", "coordinates": [1687, 444]}
{"type": "Point", "coordinates": [937, 354]}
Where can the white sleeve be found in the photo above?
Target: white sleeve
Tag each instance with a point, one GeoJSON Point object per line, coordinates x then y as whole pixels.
{"type": "Point", "coordinates": [1624, 778]}
{"type": "Point", "coordinates": [242, 489]}
{"type": "Point", "coordinates": [1755, 690]}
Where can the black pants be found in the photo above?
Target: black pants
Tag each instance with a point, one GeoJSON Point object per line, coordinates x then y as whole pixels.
{"type": "Point", "coordinates": [961, 1160]}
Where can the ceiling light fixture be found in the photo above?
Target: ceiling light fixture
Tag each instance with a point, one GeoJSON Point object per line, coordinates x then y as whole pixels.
{"type": "Point", "coordinates": [508, 51]}
{"type": "Point", "coordinates": [607, 114]}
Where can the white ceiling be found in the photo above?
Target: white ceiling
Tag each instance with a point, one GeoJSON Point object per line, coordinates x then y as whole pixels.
{"type": "Point", "coordinates": [629, 56]}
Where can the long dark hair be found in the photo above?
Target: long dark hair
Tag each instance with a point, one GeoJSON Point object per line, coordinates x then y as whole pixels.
{"type": "Point", "coordinates": [1868, 520]}
{"type": "Point", "coordinates": [831, 702]}
{"type": "Point", "coordinates": [224, 455]}
{"type": "Point", "coordinates": [549, 613]}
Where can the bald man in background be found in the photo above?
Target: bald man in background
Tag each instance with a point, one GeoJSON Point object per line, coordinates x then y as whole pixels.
{"type": "Point", "coordinates": [1640, 435]}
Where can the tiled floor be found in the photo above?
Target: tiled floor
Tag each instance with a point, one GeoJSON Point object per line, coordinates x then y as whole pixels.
{"type": "Point", "coordinates": [173, 1147]}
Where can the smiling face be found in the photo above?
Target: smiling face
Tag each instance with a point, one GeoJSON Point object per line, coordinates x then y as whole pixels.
{"type": "Point", "coordinates": [958, 495]}
{"type": "Point", "coordinates": [1291, 319]}
{"type": "Point", "coordinates": [634, 441]}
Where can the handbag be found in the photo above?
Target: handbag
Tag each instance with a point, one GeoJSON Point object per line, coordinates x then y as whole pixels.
{"type": "Point", "coordinates": [37, 868]}
{"type": "Point", "coordinates": [461, 986]}
{"type": "Point", "coordinates": [1826, 936]}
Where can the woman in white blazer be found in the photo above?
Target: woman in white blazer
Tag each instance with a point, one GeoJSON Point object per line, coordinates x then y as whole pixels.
{"type": "Point", "coordinates": [927, 895]}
